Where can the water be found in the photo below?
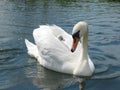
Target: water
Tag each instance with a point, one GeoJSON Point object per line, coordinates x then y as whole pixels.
{"type": "Point", "coordinates": [18, 18]}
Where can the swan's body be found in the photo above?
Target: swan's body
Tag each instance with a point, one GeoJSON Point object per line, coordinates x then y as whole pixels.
{"type": "Point", "coordinates": [52, 49]}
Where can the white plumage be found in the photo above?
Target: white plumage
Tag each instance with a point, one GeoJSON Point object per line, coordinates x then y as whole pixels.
{"type": "Point", "coordinates": [52, 49]}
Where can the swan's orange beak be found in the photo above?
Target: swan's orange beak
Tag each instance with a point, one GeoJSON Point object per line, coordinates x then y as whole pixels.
{"type": "Point", "coordinates": [75, 43]}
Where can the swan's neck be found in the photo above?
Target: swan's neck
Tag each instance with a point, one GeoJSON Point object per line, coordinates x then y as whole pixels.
{"type": "Point", "coordinates": [84, 49]}
{"type": "Point", "coordinates": [83, 66]}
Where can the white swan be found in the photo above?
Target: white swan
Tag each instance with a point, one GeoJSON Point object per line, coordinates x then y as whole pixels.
{"type": "Point", "coordinates": [53, 50]}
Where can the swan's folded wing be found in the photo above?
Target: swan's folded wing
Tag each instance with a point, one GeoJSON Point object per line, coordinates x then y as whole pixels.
{"type": "Point", "coordinates": [56, 55]}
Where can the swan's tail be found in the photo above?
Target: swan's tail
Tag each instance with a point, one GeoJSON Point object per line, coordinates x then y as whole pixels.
{"type": "Point", "coordinates": [32, 49]}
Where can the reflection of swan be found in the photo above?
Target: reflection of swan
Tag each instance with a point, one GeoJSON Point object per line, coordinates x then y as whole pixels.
{"type": "Point", "coordinates": [53, 45]}
{"type": "Point", "coordinates": [49, 80]}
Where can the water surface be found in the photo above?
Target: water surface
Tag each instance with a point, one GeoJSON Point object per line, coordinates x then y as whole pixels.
{"type": "Point", "coordinates": [18, 18]}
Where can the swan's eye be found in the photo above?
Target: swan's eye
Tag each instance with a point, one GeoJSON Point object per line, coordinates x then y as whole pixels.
{"type": "Point", "coordinates": [76, 34]}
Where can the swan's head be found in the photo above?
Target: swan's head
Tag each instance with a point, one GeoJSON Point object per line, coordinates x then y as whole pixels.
{"type": "Point", "coordinates": [79, 31]}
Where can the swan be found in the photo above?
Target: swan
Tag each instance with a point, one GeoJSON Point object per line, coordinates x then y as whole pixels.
{"type": "Point", "coordinates": [59, 51]}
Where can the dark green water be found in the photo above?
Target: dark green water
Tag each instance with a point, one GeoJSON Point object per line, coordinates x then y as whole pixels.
{"type": "Point", "coordinates": [18, 18]}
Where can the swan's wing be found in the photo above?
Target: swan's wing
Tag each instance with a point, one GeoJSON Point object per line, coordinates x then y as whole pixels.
{"type": "Point", "coordinates": [48, 35]}
{"type": "Point", "coordinates": [55, 54]}
{"type": "Point", "coordinates": [47, 43]}
{"type": "Point", "coordinates": [32, 49]}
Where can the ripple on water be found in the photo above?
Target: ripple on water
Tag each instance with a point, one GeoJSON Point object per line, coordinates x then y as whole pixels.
{"type": "Point", "coordinates": [107, 66]}
{"type": "Point", "coordinates": [10, 66]}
